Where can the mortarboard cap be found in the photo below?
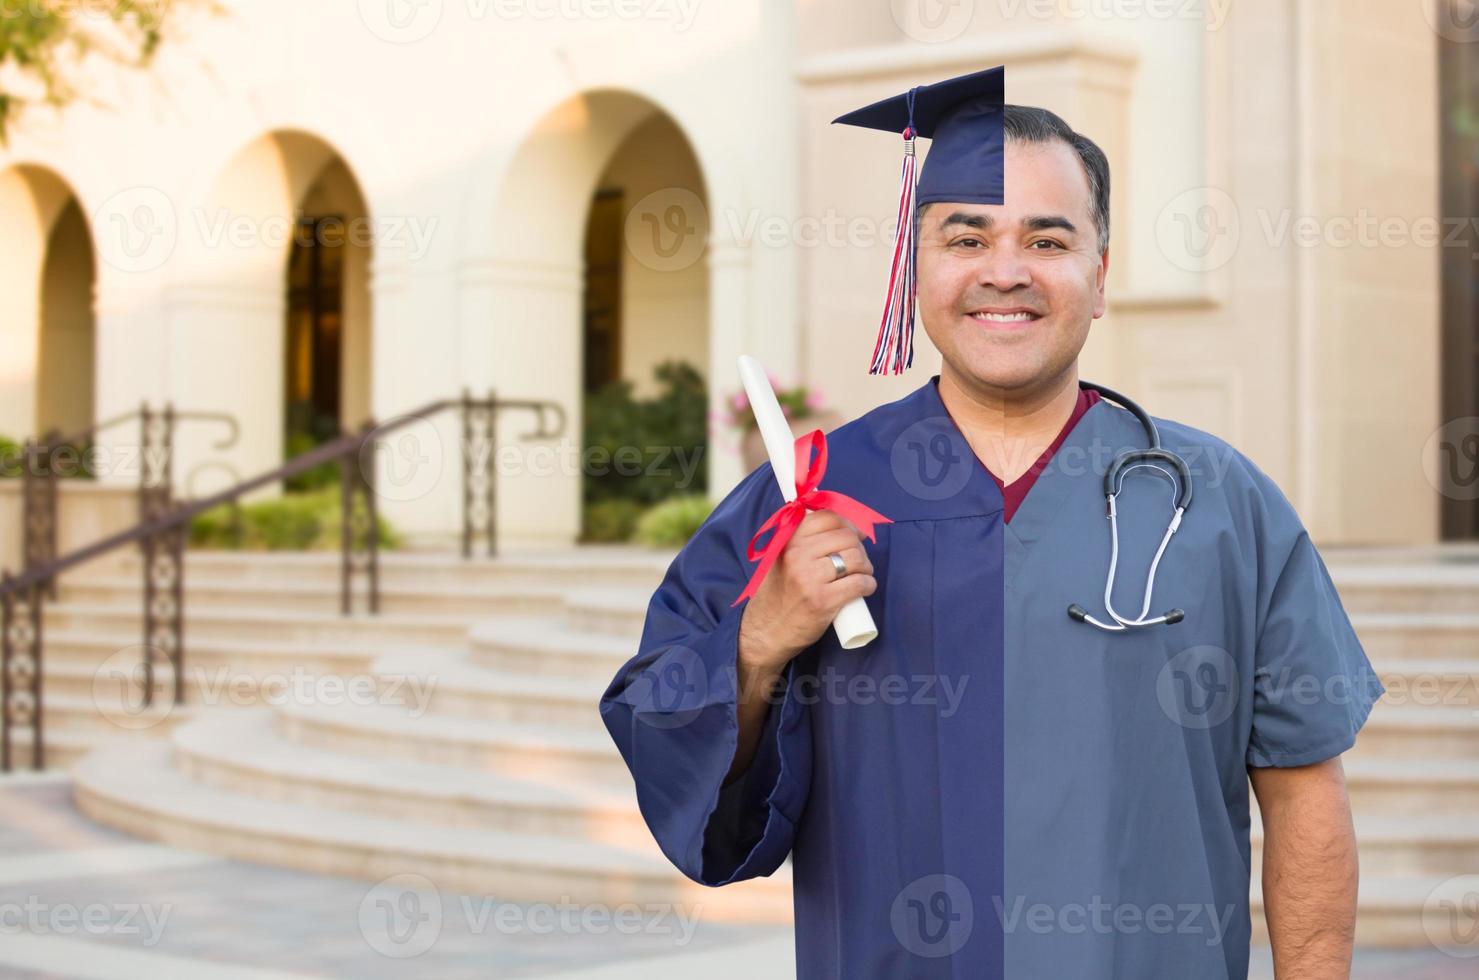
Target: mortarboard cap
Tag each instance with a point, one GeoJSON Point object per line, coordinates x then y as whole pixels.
{"type": "Point", "coordinates": [962, 118]}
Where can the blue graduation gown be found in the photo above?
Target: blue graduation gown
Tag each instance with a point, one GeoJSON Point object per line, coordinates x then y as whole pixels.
{"type": "Point", "coordinates": [989, 788]}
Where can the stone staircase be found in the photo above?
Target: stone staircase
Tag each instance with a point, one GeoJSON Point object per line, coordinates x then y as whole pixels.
{"type": "Point", "coordinates": [473, 752]}
{"type": "Point", "coordinates": [1413, 775]}
{"type": "Point", "coordinates": [455, 735]}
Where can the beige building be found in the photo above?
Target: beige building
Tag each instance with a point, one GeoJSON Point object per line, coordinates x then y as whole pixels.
{"type": "Point", "coordinates": [310, 214]}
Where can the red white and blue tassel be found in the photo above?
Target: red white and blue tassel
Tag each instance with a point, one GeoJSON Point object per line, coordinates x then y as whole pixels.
{"type": "Point", "coordinates": [895, 346]}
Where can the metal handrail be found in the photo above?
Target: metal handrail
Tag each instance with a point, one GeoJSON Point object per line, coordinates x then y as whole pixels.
{"type": "Point", "coordinates": [29, 589]}
{"type": "Point", "coordinates": [52, 440]}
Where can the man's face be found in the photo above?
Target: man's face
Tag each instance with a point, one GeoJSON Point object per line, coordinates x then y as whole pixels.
{"type": "Point", "coordinates": [1036, 254]}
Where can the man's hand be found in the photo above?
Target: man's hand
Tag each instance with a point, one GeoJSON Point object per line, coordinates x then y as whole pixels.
{"type": "Point", "coordinates": [793, 607]}
{"type": "Point", "coordinates": [1310, 869]}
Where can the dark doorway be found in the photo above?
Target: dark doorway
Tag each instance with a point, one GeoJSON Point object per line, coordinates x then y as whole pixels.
{"type": "Point", "coordinates": [602, 298]}
{"type": "Point", "coordinates": [315, 334]}
{"type": "Point", "coordinates": [1459, 126]}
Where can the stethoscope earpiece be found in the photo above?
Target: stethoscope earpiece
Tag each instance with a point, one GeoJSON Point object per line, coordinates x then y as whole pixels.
{"type": "Point", "coordinates": [1113, 480]}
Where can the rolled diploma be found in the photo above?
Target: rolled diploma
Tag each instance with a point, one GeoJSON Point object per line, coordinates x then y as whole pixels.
{"type": "Point", "coordinates": [854, 624]}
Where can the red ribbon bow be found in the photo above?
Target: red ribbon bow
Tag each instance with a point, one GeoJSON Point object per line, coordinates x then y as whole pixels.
{"type": "Point", "coordinates": [788, 518]}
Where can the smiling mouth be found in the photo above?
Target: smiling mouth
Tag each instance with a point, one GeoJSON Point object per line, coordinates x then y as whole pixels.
{"type": "Point", "coordinates": [1012, 317]}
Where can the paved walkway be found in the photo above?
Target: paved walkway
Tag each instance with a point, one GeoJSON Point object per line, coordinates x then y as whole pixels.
{"type": "Point", "coordinates": [82, 901]}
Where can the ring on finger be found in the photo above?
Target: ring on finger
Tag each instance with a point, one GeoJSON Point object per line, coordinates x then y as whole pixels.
{"type": "Point", "coordinates": [838, 564]}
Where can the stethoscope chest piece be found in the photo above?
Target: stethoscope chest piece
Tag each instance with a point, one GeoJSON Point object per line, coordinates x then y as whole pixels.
{"type": "Point", "coordinates": [1151, 457]}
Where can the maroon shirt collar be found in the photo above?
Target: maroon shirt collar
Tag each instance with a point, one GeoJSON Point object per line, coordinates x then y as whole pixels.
{"type": "Point", "coordinates": [1013, 495]}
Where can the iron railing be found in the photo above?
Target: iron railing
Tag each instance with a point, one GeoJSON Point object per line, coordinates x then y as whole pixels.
{"type": "Point", "coordinates": [163, 530]}
{"type": "Point", "coordinates": [40, 472]}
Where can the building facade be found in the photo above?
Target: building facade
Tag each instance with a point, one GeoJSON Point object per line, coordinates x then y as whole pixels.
{"type": "Point", "coordinates": [313, 215]}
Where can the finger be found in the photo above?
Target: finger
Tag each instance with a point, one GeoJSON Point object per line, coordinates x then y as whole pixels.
{"type": "Point", "coordinates": [855, 560]}
{"type": "Point", "coordinates": [848, 588]}
{"type": "Point", "coordinates": [839, 540]}
{"type": "Point", "coordinates": [818, 522]}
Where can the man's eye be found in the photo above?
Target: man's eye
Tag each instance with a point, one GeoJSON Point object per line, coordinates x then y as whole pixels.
{"type": "Point", "coordinates": [1046, 241]}
{"type": "Point", "coordinates": [970, 241]}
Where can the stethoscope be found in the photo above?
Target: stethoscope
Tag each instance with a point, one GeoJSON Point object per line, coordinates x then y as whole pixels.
{"type": "Point", "coordinates": [1113, 481]}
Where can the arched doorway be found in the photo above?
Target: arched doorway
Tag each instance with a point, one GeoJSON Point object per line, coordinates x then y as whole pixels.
{"type": "Point", "coordinates": [326, 341]}
{"type": "Point", "coordinates": [47, 320]}
{"type": "Point", "coordinates": [273, 319]}
{"type": "Point", "coordinates": [597, 273]}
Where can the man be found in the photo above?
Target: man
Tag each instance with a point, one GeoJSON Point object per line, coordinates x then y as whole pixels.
{"type": "Point", "coordinates": [994, 786]}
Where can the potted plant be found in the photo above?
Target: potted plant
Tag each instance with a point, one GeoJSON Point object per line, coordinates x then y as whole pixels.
{"type": "Point", "coordinates": [803, 407]}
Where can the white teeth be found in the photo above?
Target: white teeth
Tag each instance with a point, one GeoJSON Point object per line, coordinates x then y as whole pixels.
{"type": "Point", "coordinates": [1003, 317]}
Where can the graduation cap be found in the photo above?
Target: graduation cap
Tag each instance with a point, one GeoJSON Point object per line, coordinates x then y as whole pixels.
{"type": "Point", "coordinates": [962, 118]}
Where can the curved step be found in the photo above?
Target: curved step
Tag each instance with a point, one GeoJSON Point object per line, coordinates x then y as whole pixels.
{"type": "Point", "coordinates": [548, 647]}
{"type": "Point", "coordinates": [311, 595]}
{"type": "Point", "coordinates": [1429, 845]}
{"type": "Point", "coordinates": [582, 565]}
{"type": "Point", "coordinates": [615, 612]}
{"type": "Point", "coordinates": [243, 752]}
{"type": "Point", "coordinates": [1399, 787]}
{"type": "Point", "coordinates": [1400, 912]}
{"type": "Point", "coordinates": [1418, 732]}
{"type": "Point", "coordinates": [517, 750]}
{"type": "Point", "coordinates": [1429, 635]}
{"type": "Point", "coordinates": [139, 791]}
{"type": "Point", "coordinates": [450, 684]}
{"type": "Point", "coordinates": [266, 624]}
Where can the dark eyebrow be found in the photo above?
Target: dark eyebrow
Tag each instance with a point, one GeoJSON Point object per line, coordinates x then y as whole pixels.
{"type": "Point", "coordinates": [983, 222]}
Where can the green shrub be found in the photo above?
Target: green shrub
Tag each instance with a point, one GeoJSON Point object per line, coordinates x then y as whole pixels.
{"type": "Point", "coordinates": [292, 522]}
{"type": "Point", "coordinates": [671, 523]}
{"type": "Point", "coordinates": [10, 457]}
{"type": "Point", "coordinates": [610, 520]}
{"type": "Point", "coordinates": [70, 461]}
{"type": "Point", "coordinates": [650, 449]}
{"type": "Point", "coordinates": [320, 476]}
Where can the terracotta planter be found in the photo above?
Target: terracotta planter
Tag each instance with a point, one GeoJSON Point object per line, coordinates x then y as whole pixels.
{"type": "Point", "coordinates": [752, 448]}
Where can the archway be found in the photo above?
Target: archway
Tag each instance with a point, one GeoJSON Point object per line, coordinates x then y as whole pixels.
{"type": "Point", "coordinates": [598, 272]}
{"type": "Point", "coordinates": [272, 320]}
{"type": "Point", "coordinates": [47, 319]}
